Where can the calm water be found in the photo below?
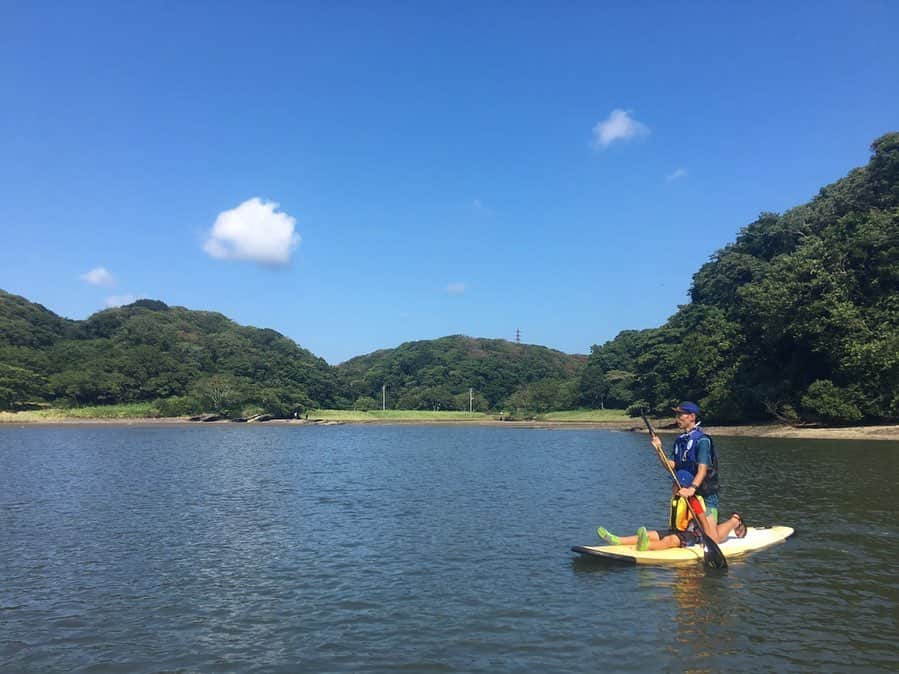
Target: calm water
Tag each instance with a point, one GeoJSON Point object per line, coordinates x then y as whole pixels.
{"type": "Point", "coordinates": [427, 549]}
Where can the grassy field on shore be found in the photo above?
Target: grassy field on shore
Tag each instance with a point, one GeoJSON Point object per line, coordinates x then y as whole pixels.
{"type": "Point", "coordinates": [137, 413]}
{"type": "Point", "coordinates": [49, 414]}
{"type": "Point", "coordinates": [398, 415]}
{"type": "Point", "coordinates": [150, 411]}
{"type": "Point", "coordinates": [587, 416]}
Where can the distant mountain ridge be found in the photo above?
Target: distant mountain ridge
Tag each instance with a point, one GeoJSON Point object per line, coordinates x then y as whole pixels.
{"type": "Point", "coordinates": [457, 371]}
{"type": "Point", "coordinates": [194, 361]}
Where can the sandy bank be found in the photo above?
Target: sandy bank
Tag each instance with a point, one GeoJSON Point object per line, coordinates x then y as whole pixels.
{"type": "Point", "coordinates": [772, 430]}
{"type": "Point", "coordinates": [782, 431]}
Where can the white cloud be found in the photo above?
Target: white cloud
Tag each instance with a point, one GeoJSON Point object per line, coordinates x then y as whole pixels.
{"type": "Point", "coordinates": [674, 175]}
{"type": "Point", "coordinates": [478, 208]}
{"type": "Point", "coordinates": [254, 231]}
{"type": "Point", "coordinates": [619, 125]}
{"type": "Point", "coordinates": [119, 300]}
{"type": "Point", "coordinates": [455, 288]}
{"type": "Point", "coordinates": [99, 276]}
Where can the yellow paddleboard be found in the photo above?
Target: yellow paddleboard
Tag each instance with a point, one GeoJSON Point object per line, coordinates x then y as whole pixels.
{"type": "Point", "coordinates": [756, 538]}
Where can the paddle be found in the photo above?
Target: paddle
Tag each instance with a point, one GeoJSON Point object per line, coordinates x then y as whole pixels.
{"type": "Point", "coordinates": [712, 555]}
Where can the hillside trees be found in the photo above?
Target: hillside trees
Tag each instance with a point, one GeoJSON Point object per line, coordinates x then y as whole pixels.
{"type": "Point", "coordinates": [798, 318]}
{"type": "Point", "coordinates": [437, 374]}
{"type": "Point", "coordinates": [146, 351]}
{"type": "Point", "coordinates": [19, 385]}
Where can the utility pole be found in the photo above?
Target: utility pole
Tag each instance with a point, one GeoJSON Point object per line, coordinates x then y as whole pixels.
{"type": "Point", "coordinates": [518, 335]}
{"type": "Point", "coordinates": [470, 399]}
{"type": "Point", "coordinates": [383, 397]}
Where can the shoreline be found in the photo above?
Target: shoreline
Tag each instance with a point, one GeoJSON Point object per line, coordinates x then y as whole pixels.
{"type": "Point", "coordinates": [770, 430]}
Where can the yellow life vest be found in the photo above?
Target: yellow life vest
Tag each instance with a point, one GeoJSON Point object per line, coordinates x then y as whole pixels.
{"type": "Point", "coordinates": [680, 512]}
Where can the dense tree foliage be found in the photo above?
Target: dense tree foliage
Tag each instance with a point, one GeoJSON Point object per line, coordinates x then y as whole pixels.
{"type": "Point", "coordinates": [798, 318]}
{"type": "Point", "coordinates": [192, 360]}
{"type": "Point", "coordinates": [195, 361]}
{"type": "Point", "coordinates": [438, 374]}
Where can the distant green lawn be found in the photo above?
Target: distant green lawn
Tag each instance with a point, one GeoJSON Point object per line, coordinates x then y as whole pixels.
{"type": "Point", "coordinates": [149, 410]}
{"type": "Point", "coordinates": [448, 415]}
{"type": "Point", "coordinates": [127, 411]}
{"type": "Point", "coordinates": [586, 415]}
{"type": "Point", "coordinates": [397, 415]}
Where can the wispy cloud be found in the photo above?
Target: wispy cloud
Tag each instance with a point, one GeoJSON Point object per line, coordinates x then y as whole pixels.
{"type": "Point", "coordinates": [99, 276]}
{"type": "Point", "coordinates": [254, 231]}
{"type": "Point", "coordinates": [676, 175]}
{"type": "Point", "coordinates": [118, 300]}
{"type": "Point", "coordinates": [455, 288]}
{"type": "Point", "coordinates": [619, 125]}
{"type": "Point", "coordinates": [478, 207]}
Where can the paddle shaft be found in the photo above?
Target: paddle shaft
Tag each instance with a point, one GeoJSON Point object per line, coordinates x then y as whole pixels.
{"type": "Point", "coordinates": [661, 454]}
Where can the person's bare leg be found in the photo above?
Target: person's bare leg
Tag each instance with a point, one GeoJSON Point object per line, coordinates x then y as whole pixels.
{"type": "Point", "coordinates": [733, 523]}
{"type": "Point", "coordinates": [708, 525]}
{"type": "Point", "coordinates": [645, 543]}
{"type": "Point", "coordinates": [624, 540]}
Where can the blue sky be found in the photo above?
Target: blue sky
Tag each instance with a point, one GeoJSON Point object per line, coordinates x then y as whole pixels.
{"type": "Point", "coordinates": [360, 174]}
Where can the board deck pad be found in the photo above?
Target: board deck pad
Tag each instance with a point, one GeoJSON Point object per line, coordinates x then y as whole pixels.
{"type": "Point", "coordinates": [756, 539]}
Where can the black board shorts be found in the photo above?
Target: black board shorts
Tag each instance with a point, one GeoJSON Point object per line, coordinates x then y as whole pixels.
{"type": "Point", "coordinates": [687, 538]}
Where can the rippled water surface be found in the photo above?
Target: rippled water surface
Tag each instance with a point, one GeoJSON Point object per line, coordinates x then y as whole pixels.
{"type": "Point", "coordinates": [427, 549]}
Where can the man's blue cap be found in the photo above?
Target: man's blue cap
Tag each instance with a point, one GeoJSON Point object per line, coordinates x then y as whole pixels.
{"type": "Point", "coordinates": [688, 407]}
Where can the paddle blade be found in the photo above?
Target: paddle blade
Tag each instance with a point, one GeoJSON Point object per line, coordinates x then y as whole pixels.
{"type": "Point", "coordinates": [712, 556]}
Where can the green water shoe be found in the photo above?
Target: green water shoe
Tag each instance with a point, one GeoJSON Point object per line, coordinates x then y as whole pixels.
{"type": "Point", "coordinates": [642, 539]}
{"type": "Point", "coordinates": [607, 537]}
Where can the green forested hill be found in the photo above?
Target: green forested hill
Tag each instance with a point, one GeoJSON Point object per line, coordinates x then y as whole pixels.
{"type": "Point", "coordinates": [798, 318]}
{"type": "Point", "coordinates": [194, 360]}
{"type": "Point", "coordinates": [437, 374]}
